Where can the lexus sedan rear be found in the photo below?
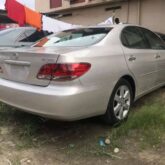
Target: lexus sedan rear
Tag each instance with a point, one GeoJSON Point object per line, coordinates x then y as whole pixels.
{"type": "Point", "coordinates": [84, 72]}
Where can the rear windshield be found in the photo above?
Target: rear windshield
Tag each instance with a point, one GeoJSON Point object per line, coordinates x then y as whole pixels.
{"type": "Point", "coordinates": [12, 37]}
{"type": "Point", "coordinates": [76, 37]}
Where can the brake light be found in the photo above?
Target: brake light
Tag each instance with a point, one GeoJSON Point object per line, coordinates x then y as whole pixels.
{"type": "Point", "coordinates": [63, 71]}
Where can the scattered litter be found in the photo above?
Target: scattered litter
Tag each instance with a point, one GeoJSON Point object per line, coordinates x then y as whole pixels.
{"type": "Point", "coordinates": [98, 153]}
{"type": "Point", "coordinates": [35, 139]}
{"type": "Point", "coordinates": [111, 155]}
{"type": "Point", "coordinates": [71, 145]}
{"type": "Point", "coordinates": [28, 161]}
{"type": "Point", "coordinates": [108, 161]}
{"type": "Point", "coordinates": [25, 161]}
{"type": "Point", "coordinates": [107, 141]}
{"type": "Point", "coordinates": [116, 150]}
{"type": "Point", "coordinates": [102, 142]}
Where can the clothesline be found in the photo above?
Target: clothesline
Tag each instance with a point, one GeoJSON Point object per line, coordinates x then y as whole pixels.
{"type": "Point", "coordinates": [24, 15]}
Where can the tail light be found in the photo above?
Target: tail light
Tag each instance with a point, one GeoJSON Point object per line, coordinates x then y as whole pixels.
{"type": "Point", "coordinates": [63, 71]}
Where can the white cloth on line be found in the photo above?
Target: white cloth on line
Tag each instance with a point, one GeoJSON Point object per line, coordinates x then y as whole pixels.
{"type": "Point", "coordinates": [54, 25]}
{"type": "Point", "coordinates": [109, 21]}
{"type": "Point", "coordinates": [2, 4]}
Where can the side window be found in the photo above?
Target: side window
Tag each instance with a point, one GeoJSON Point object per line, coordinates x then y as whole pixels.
{"type": "Point", "coordinates": [154, 41]}
{"type": "Point", "coordinates": [131, 37]}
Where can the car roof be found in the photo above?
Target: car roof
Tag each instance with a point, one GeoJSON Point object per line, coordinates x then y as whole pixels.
{"type": "Point", "coordinates": [28, 27]}
{"type": "Point", "coordinates": [104, 26]}
{"type": "Point", "coordinates": [111, 25]}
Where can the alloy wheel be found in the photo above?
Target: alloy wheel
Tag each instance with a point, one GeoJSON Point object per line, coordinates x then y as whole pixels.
{"type": "Point", "coordinates": [122, 102]}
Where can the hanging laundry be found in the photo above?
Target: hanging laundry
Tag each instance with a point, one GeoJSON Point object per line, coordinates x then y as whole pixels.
{"type": "Point", "coordinates": [2, 4]}
{"type": "Point", "coordinates": [33, 18]}
{"type": "Point", "coordinates": [109, 21]}
{"type": "Point", "coordinates": [53, 25]}
{"type": "Point", "coordinates": [15, 11]}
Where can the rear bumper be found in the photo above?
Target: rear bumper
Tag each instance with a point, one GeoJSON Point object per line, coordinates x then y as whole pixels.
{"type": "Point", "coordinates": [58, 102]}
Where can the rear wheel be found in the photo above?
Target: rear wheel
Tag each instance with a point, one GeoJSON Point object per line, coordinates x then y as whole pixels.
{"type": "Point", "coordinates": [119, 103]}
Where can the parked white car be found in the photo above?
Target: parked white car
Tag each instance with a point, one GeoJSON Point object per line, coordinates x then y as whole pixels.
{"type": "Point", "coordinates": [20, 36]}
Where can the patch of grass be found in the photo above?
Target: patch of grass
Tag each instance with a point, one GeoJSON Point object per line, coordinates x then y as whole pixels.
{"type": "Point", "coordinates": [147, 125]}
{"type": "Point", "coordinates": [5, 113]}
{"type": "Point", "coordinates": [25, 127]}
{"type": "Point", "coordinates": [16, 161]}
{"type": "Point", "coordinates": [27, 131]}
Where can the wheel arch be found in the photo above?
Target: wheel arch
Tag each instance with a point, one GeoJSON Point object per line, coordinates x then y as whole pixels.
{"type": "Point", "coordinates": [132, 83]}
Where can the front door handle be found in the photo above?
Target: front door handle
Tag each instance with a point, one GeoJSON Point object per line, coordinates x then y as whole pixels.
{"type": "Point", "coordinates": [132, 58]}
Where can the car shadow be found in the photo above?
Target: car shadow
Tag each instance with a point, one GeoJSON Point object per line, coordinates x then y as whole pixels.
{"type": "Point", "coordinates": [63, 134]}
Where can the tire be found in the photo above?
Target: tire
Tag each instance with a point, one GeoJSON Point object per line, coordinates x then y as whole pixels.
{"type": "Point", "coordinates": [119, 104]}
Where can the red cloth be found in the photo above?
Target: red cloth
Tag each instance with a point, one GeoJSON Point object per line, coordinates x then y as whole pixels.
{"type": "Point", "coordinates": [15, 11]}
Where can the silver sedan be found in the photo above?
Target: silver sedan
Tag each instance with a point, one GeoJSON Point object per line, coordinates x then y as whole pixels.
{"type": "Point", "coordinates": [84, 72]}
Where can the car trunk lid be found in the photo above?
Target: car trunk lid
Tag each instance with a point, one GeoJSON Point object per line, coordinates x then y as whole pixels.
{"type": "Point", "coordinates": [23, 65]}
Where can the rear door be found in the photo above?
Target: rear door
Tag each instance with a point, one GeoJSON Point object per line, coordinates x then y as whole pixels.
{"type": "Point", "coordinates": [139, 57]}
{"type": "Point", "coordinates": [158, 46]}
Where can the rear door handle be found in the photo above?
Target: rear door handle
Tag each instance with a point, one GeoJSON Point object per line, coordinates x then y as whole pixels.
{"type": "Point", "coordinates": [132, 58]}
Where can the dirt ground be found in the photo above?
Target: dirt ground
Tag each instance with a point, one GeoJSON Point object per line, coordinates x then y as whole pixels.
{"type": "Point", "coordinates": [51, 154]}
{"type": "Point", "coordinates": [75, 143]}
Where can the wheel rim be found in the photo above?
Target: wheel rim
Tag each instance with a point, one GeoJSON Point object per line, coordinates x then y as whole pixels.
{"type": "Point", "coordinates": [122, 101]}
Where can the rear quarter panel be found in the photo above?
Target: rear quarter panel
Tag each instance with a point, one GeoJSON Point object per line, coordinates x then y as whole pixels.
{"type": "Point", "coordinates": [108, 65]}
